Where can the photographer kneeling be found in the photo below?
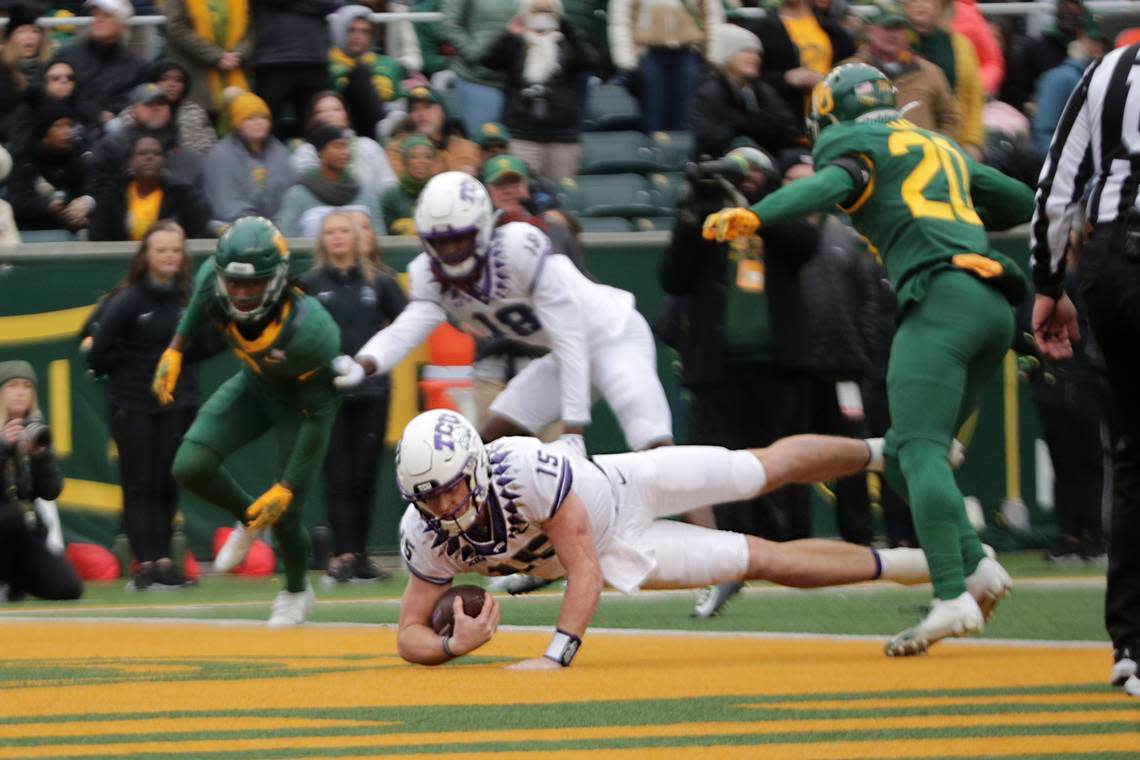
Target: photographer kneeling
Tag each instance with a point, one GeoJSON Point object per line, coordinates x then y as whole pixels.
{"type": "Point", "coordinates": [28, 471]}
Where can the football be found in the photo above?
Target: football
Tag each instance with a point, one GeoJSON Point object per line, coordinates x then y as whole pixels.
{"type": "Point", "coordinates": [443, 616]}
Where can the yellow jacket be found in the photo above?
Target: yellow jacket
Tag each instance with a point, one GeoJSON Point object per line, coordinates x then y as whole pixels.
{"type": "Point", "coordinates": [968, 91]}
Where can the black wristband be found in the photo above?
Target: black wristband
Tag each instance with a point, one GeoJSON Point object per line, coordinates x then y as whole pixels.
{"type": "Point", "coordinates": [562, 648]}
{"type": "Point", "coordinates": [445, 645]}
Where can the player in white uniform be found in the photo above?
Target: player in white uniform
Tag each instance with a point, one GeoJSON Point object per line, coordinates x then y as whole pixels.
{"type": "Point", "coordinates": [518, 505]}
{"type": "Point", "coordinates": [509, 282]}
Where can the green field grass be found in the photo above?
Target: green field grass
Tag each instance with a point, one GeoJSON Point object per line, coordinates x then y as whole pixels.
{"type": "Point", "coordinates": [1049, 604]}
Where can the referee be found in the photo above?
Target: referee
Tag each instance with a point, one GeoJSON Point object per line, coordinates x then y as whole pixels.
{"type": "Point", "coordinates": [1094, 161]}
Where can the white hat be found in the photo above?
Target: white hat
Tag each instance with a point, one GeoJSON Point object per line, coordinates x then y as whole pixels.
{"type": "Point", "coordinates": [5, 163]}
{"type": "Point", "coordinates": [730, 39]}
{"type": "Point", "coordinates": [122, 9]}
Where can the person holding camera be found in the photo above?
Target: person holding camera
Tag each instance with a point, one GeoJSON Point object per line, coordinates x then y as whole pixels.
{"type": "Point", "coordinates": [28, 471]}
{"type": "Point", "coordinates": [737, 339]}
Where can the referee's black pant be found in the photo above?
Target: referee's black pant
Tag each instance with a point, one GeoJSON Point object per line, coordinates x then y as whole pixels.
{"type": "Point", "coordinates": [1110, 283]}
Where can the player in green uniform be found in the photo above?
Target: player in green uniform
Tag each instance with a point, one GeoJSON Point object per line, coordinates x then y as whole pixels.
{"type": "Point", "coordinates": [287, 343]}
{"type": "Point", "coordinates": [923, 205]}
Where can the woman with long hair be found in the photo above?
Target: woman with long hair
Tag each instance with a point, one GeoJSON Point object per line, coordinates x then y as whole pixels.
{"type": "Point", "coordinates": [25, 55]}
{"type": "Point", "coordinates": [362, 298]}
{"type": "Point", "coordinates": [134, 324]}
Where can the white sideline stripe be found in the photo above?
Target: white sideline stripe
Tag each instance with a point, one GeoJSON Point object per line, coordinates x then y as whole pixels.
{"type": "Point", "coordinates": [627, 632]}
{"type": "Point", "coordinates": [871, 586]}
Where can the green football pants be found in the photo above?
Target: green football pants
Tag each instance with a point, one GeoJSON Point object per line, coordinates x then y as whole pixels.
{"type": "Point", "coordinates": [237, 414]}
{"type": "Point", "coordinates": [946, 349]}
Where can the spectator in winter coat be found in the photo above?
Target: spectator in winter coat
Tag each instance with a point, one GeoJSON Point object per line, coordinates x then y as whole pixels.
{"type": "Point", "coordinates": [362, 298]}
{"type": "Point", "coordinates": [954, 54]}
{"type": "Point", "coordinates": [367, 80]}
{"type": "Point", "coordinates": [58, 85]}
{"type": "Point", "coordinates": [398, 203]}
{"type": "Point", "coordinates": [327, 187]}
{"type": "Point", "coordinates": [800, 46]}
{"type": "Point", "coordinates": [49, 186]}
{"type": "Point", "coordinates": [733, 101]}
{"type": "Point", "coordinates": [471, 27]}
{"type": "Point", "coordinates": [191, 122]}
{"type": "Point", "coordinates": [126, 209]}
{"type": "Point", "coordinates": [25, 55]}
{"type": "Point", "coordinates": [369, 161]}
{"type": "Point", "coordinates": [919, 82]}
{"type": "Point", "coordinates": [99, 57]}
{"type": "Point", "coordinates": [290, 56]}
{"type": "Point", "coordinates": [151, 113]}
{"type": "Point", "coordinates": [249, 171]}
{"type": "Point", "coordinates": [542, 58]}
{"type": "Point", "coordinates": [1055, 87]}
{"type": "Point", "coordinates": [426, 115]}
{"type": "Point", "coordinates": [213, 43]}
{"type": "Point", "coordinates": [662, 44]}
{"type": "Point", "coordinates": [968, 21]}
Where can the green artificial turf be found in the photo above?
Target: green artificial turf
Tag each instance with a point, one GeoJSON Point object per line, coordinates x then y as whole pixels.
{"type": "Point", "coordinates": [1066, 611]}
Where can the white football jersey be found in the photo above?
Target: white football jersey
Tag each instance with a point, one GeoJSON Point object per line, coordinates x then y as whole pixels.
{"type": "Point", "coordinates": [529, 482]}
{"type": "Point", "coordinates": [527, 293]}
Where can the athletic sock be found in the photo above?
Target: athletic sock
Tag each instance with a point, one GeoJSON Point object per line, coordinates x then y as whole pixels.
{"type": "Point", "coordinates": [875, 454]}
{"type": "Point", "coordinates": [905, 566]}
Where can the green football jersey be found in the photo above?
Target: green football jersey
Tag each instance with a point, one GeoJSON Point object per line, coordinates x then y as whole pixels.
{"type": "Point", "coordinates": [298, 346]}
{"type": "Point", "coordinates": [915, 209]}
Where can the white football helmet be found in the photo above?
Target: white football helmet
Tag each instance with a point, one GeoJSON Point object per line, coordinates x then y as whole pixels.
{"type": "Point", "coordinates": [438, 449]}
{"type": "Point", "coordinates": [455, 205]}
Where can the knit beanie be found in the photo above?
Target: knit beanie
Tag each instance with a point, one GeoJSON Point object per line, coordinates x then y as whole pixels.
{"type": "Point", "coordinates": [730, 39]}
{"type": "Point", "coordinates": [16, 369]}
{"type": "Point", "coordinates": [322, 135]}
{"type": "Point", "coordinates": [247, 106]}
{"type": "Point", "coordinates": [47, 113]}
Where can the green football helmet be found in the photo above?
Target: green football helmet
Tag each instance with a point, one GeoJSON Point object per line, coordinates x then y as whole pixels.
{"type": "Point", "coordinates": [251, 249]}
{"type": "Point", "coordinates": [852, 92]}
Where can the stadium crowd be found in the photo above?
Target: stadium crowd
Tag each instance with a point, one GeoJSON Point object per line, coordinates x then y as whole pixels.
{"type": "Point", "coordinates": [306, 113]}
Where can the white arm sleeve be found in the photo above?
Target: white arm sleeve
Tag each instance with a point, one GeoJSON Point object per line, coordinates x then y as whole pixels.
{"type": "Point", "coordinates": [409, 329]}
{"type": "Point", "coordinates": [559, 312]}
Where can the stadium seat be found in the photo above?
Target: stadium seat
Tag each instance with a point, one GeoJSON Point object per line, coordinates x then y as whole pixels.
{"type": "Point", "coordinates": [617, 153]}
{"type": "Point", "coordinates": [46, 236]}
{"type": "Point", "coordinates": [610, 106]}
{"type": "Point", "coordinates": [668, 189]}
{"type": "Point", "coordinates": [609, 195]}
{"type": "Point", "coordinates": [673, 149]}
{"type": "Point", "coordinates": [606, 224]}
{"type": "Point", "coordinates": [654, 223]}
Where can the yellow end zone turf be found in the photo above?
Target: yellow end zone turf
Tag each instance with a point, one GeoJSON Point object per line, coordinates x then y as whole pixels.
{"type": "Point", "coordinates": [157, 690]}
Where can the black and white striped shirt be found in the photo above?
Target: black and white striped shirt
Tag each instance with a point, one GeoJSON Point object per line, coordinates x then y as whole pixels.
{"type": "Point", "coordinates": [1094, 158]}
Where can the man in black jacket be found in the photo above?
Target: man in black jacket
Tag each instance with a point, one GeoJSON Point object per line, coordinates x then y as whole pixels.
{"type": "Point", "coordinates": [290, 56]}
{"type": "Point", "coordinates": [152, 118]}
{"type": "Point", "coordinates": [733, 101]}
{"type": "Point", "coordinates": [105, 71]}
{"type": "Point", "coordinates": [760, 335]}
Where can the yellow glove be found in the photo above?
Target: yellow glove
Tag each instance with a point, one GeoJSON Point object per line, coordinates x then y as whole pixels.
{"type": "Point", "coordinates": [269, 507]}
{"type": "Point", "coordinates": [166, 376]}
{"type": "Point", "coordinates": [730, 224]}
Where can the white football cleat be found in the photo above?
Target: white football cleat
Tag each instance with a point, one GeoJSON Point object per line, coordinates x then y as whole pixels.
{"type": "Point", "coordinates": [1132, 686]}
{"type": "Point", "coordinates": [291, 607]}
{"type": "Point", "coordinates": [235, 548]}
{"type": "Point", "coordinates": [1124, 667]}
{"type": "Point", "coordinates": [988, 584]}
{"type": "Point", "coordinates": [955, 617]}
{"type": "Point", "coordinates": [711, 600]}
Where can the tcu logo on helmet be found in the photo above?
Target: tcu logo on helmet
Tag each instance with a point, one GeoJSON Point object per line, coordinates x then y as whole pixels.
{"type": "Point", "coordinates": [446, 429]}
{"type": "Point", "coordinates": [467, 191]}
